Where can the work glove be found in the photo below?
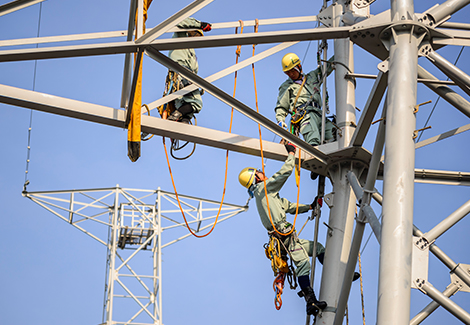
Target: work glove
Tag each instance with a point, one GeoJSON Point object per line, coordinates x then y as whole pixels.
{"type": "Point", "coordinates": [316, 201]}
{"type": "Point", "coordinates": [290, 147]}
{"type": "Point", "coordinates": [282, 124]}
{"type": "Point", "coordinates": [206, 27]}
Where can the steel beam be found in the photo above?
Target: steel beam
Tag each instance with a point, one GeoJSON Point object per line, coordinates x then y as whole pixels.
{"type": "Point", "coordinates": [445, 259]}
{"type": "Point", "coordinates": [445, 92]}
{"type": "Point", "coordinates": [221, 74]}
{"type": "Point", "coordinates": [373, 76]}
{"type": "Point", "coordinates": [61, 38]}
{"type": "Point", "coordinates": [126, 76]}
{"type": "Point", "coordinates": [448, 222]}
{"type": "Point", "coordinates": [370, 109]}
{"type": "Point", "coordinates": [444, 177]}
{"type": "Point", "coordinates": [458, 76]}
{"type": "Point", "coordinates": [451, 25]}
{"type": "Point", "coordinates": [175, 43]}
{"type": "Point", "coordinates": [16, 5]}
{"type": "Point", "coordinates": [445, 10]}
{"type": "Point", "coordinates": [232, 102]}
{"type": "Point", "coordinates": [428, 289]}
{"type": "Point", "coordinates": [443, 136]}
{"type": "Point", "coordinates": [394, 289]}
{"type": "Point", "coordinates": [341, 217]}
{"type": "Point", "coordinates": [152, 125]}
{"type": "Point", "coordinates": [172, 21]}
{"type": "Point", "coordinates": [366, 213]}
{"type": "Point", "coordinates": [429, 309]}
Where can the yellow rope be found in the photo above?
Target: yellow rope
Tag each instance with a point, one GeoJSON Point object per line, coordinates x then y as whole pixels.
{"type": "Point", "coordinates": [362, 290]}
{"type": "Point", "coordinates": [262, 157]}
{"type": "Point", "coordinates": [226, 169]}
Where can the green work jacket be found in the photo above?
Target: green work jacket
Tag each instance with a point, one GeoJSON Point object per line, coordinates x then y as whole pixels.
{"type": "Point", "coordinates": [186, 57]}
{"type": "Point", "coordinates": [311, 90]}
{"type": "Point", "coordinates": [277, 205]}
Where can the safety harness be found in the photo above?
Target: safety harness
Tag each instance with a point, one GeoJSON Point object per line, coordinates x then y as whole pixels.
{"type": "Point", "coordinates": [277, 252]}
{"type": "Point", "coordinates": [173, 83]}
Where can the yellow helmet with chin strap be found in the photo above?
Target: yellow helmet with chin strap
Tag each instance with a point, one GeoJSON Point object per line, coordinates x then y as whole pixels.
{"type": "Point", "coordinates": [247, 176]}
{"type": "Point", "coordinates": [289, 61]}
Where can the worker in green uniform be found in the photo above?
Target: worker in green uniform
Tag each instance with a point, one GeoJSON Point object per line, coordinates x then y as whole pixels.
{"type": "Point", "coordinates": [300, 96]}
{"type": "Point", "coordinates": [190, 103]}
{"type": "Point", "coordinates": [299, 249]}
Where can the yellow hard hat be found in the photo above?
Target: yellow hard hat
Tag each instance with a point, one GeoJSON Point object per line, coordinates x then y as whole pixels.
{"type": "Point", "coordinates": [289, 61]}
{"type": "Point", "coordinates": [247, 176]}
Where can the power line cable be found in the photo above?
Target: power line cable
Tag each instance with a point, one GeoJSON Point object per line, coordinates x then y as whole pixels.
{"type": "Point", "coordinates": [438, 98]}
{"type": "Point", "coordinates": [28, 150]}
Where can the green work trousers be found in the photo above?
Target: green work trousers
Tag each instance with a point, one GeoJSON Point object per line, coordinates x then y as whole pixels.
{"type": "Point", "coordinates": [300, 250]}
{"type": "Point", "coordinates": [310, 127]}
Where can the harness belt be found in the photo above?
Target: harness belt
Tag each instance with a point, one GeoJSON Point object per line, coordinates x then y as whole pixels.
{"type": "Point", "coordinates": [303, 109]}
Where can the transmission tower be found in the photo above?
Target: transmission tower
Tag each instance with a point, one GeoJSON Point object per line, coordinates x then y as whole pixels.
{"type": "Point", "coordinates": [131, 224]}
{"type": "Point", "coordinates": [397, 37]}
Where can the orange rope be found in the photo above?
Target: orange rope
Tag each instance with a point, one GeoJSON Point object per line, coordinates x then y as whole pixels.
{"type": "Point", "coordinates": [278, 286]}
{"type": "Point", "coordinates": [262, 155]}
{"type": "Point", "coordinates": [226, 161]}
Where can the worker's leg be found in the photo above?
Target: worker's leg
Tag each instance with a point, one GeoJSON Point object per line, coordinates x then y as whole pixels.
{"type": "Point", "coordinates": [308, 246]}
{"type": "Point", "coordinates": [309, 127]}
{"type": "Point", "coordinates": [187, 106]}
{"type": "Point", "coordinates": [299, 256]}
{"type": "Point", "coordinates": [300, 249]}
{"type": "Point", "coordinates": [328, 130]}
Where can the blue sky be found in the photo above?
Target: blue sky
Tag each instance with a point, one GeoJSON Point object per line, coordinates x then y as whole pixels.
{"type": "Point", "coordinates": [51, 273]}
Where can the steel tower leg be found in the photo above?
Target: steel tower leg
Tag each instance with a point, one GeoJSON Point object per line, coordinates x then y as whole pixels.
{"type": "Point", "coordinates": [341, 218]}
{"type": "Point", "coordinates": [112, 246]}
{"type": "Point", "coordinates": [393, 305]}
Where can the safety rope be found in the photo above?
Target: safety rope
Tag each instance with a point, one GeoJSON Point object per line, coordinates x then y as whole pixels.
{"type": "Point", "coordinates": [362, 291]}
{"type": "Point", "coordinates": [280, 268]}
{"type": "Point", "coordinates": [278, 286]}
{"type": "Point", "coordinates": [262, 157]}
{"type": "Point", "coordinates": [226, 163]}
{"type": "Point", "coordinates": [28, 148]}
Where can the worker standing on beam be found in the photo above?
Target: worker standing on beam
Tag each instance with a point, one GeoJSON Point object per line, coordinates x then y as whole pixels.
{"type": "Point", "coordinates": [191, 103]}
{"type": "Point", "coordinates": [299, 249]}
{"type": "Point", "coordinates": [300, 96]}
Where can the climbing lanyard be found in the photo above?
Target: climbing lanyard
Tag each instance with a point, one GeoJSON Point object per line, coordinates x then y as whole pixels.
{"type": "Point", "coordinates": [226, 164]}
{"type": "Point", "coordinates": [262, 158]}
{"type": "Point", "coordinates": [278, 257]}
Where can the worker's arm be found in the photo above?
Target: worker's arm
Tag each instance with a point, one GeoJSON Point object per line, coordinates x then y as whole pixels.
{"type": "Point", "coordinates": [283, 103]}
{"type": "Point", "coordinates": [189, 22]}
{"type": "Point", "coordinates": [275, 182]}
{"type": "Point", "coordinates": [291, 208]}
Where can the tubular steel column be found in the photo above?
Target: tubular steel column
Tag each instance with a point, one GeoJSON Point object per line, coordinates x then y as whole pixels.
{"type": "Point", "coordinates": [393, 305]}
{"type": "Point", "coordinates": [342, 213]}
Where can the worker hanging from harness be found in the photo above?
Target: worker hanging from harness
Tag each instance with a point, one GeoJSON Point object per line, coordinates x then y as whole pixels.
{"type": "Point", "coordinates": [300, 96]}
{"type": "Point", "coordinates": [183, 108]}
{"type": "Point", "coordinates": [298, 249]}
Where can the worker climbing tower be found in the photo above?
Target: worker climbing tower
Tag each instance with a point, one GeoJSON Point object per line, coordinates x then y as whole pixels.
{"type": "Point", "coordinates": [396, 37]}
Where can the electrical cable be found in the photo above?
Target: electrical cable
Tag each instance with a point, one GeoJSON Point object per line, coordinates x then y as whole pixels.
{"type": "Point", "coordinates": [438, 98]}
{"type": "Point", "coordinates": [28, 150]}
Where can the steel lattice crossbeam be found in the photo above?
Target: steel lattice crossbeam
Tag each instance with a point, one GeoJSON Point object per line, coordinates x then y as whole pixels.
{"type": "Point", "coordinates": [132, 223]}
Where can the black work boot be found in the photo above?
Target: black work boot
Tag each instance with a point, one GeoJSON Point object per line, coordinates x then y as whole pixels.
{"type": "Point", "coordinates": [356, 276]}
{"type": "Point", "coordinates": [313, 176]}
{"type": "Point", "coordinates": [186, 119]}
{"type": "Point", "coordinates": [313, 305]}
{"type": "Point", "coordinates": [175, 116]}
